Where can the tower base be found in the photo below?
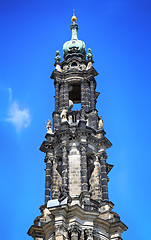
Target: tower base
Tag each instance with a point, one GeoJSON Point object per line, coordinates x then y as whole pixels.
{"type": "Point", "coordinates": [65, 220]}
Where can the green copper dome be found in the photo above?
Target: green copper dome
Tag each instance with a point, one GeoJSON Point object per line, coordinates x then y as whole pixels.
{"type": "Point", "coordinates": [74, 45]}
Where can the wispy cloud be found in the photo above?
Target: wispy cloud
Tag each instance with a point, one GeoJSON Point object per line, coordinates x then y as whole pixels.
{"type": "Point", "coordinates": [10, 94]}
{"type": "Point", "coordinates": [20, 118]}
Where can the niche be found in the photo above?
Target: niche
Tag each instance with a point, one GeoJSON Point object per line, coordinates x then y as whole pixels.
{"type": "Point", "coordinates": [74, 64]}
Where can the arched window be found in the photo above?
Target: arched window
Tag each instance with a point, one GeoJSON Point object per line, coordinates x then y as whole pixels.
{"type": "Point", "coordinates": [74, 64]}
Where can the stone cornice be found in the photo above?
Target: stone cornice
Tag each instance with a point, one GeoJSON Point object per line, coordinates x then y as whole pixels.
{"type": "Point", "coordinates": [104, 141]}
{"type": "Point", "coordinates": [67, 134]}
{"type": "Point", "coordinates": [45, 146]}
{"type": "Point", "coordinates": [74, 58]}
{"type": "Point", "coordinates": [118, 224]}
{"type": "Point", "coordinates": [90, 73]}
{"type": "Point", "coordinates": [78, 212]}
{"type": "Point", "coordinates": [35, 231]}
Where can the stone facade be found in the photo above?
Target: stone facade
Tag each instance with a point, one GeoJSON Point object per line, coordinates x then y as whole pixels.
{"type": "Point", "coordinates": [77, 205]}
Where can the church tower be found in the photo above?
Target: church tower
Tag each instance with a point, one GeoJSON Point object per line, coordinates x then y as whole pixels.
{"type": "Point", "coordinates": [77, 205]}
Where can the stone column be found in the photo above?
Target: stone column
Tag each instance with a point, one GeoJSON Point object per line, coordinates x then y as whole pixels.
{"type": "Point", "coordinates": [82, 95]}
{"type": "Point", "coordinates": [103, 158]}
{"type": "Point", "coordinates": [56, 180]}
{"type": "Point", "coordinates": [84, 178]}
{"type": "Point", "coordinates": [92, 94]}
{"type": "Point", "coordinates": [86, 87]}
{"type": "Point", "coordinates": [56, 96]}
{"type": "Point", "coordinates": [56, 121]}
{"type": "Point", "coordinates": [89, 97]}
{"type": "Point", "coordinates": [66, 95]}
{"type": "Point", "coordinates": [61, 98]}
{"type": "Point", "coordinates": [48, 179]}
{"type": "Point", "coordinates": [64, 167]}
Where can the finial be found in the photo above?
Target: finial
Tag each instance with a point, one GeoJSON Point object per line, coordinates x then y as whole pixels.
{"type": "Point", "coordinates": [73, 19]}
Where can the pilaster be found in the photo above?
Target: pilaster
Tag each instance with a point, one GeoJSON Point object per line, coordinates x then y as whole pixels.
{"type": "Point", "coordinates": [61, 96]}
{"type": "Point", "coordinates": [87, 89]}
{"type": "Point", "coordinates": [56, 96]}
{"type": "Point", "coordinates": [56, 180]}
{"type": "Point", "coordinates": [84, 178]}
{"type": "Point", "coordinates": [92, 94]}
{"type": "Point", "coordinates": [48, 179]}
{"type": "Point", "coordinates": [103, 158]}
{"type": "Point", "coordinates": [82, 94]}
{"type": "Point", "coordinates": [66, 95]}
{"type": "Point", "coordinates": [56, 121]}
{"type": "Point", "coordinates": [64, 167]}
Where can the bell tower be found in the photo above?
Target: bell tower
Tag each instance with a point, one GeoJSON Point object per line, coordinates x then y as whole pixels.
{"type": "Point", "coordinates": [77, 205]}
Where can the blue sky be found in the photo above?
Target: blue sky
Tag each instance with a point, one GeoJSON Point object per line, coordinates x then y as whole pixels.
{"type": "Point", "coordinates": [119, 33]}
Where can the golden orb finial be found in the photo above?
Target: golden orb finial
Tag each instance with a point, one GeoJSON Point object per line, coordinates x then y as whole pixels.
{"type": "Point", "coordinates": [73, 19]}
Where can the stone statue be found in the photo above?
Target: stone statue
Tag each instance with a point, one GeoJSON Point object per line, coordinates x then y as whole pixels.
{"type": "Point", "coordinates": [100, 125]}
{"type": "Point", "coordinates": [70, 119]}
{"type": "Point", "coordinates": [89, 54]}
{"type": "Point", "coordinates": [48, 127]}
{"type": "Point", "coordinates": [63, 115]}
{"type": "Point", "coordinates": [57, 58]}
{"type": "Point", "coordinates": [57, 61]}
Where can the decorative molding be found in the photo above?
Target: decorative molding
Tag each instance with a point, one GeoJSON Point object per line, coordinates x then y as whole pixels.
{"type": "Point", "coordinates": [83, 147]}
{"type": "Point", "coordinates": [103, 155]}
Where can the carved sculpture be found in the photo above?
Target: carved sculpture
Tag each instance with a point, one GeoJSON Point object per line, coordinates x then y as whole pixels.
{"type": "Point", "coordinates": [57, 58]}
{"type": "Point", "coordinates": [89, 54]}
{"type": "Point", "coordinates": [100, 125]}
{"type": "Point", "coordinates": [48, 127]}
{"type": "Point", "coordinates": [64, 115]}
{"type": "Point", "coordinates": [70, 119]}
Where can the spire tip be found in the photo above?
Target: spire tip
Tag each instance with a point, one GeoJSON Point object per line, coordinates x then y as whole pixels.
{"type": "Point", "coordinates": [74, 18]}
